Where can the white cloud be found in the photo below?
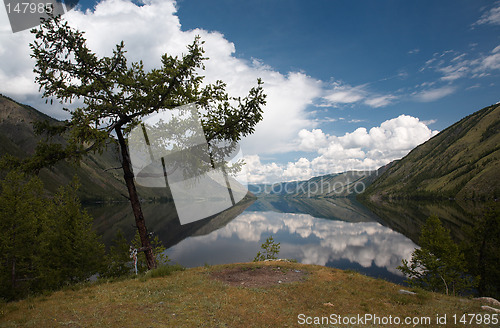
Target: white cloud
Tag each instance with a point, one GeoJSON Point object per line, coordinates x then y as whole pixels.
{"type": "Point", "coordinates": [491, 17]}
{"type": "Point", "coordinates": [491, 62]}
{"type": "Point", "coordinates": [434, 94]}
{"type": "Point", "coordinates": [342, 94]}
{"type": "Point", "coordinates": [285, 114]}
{"type": "Point", "coordinates": [452, 73]}
{"type": "Point", "coordinates": [300, 170]}
{"type": "Point", "coordinates": [361, 149]}
{"type": "Point", "coordinates": [452, 66]}
{"type": "Point", "coordinates": [312, 140]}
{"type": "Point", "coordinates": [380, 101]}
{"type": "Point", "coordinates": [149, 31]}
{"type": "Point", "coordinates": [262, 173]}
{"type": "Point", "coordinates": [16, 71]}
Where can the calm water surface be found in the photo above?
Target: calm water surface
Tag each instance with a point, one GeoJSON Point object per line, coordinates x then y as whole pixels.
{"type": "Point", "coordinates": [368, 247]}
{"type": "Point", "coordinates": [338, 233]}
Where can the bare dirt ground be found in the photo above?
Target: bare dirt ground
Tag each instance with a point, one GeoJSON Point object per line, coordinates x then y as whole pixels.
{"type": "Point", "coordinates": [264, 276]}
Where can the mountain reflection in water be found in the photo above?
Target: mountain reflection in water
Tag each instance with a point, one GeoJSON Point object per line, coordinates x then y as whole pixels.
{"type": "Point", "coordinates": [335, 232]}
{"type": "Point", "coordinates": [362, 244]}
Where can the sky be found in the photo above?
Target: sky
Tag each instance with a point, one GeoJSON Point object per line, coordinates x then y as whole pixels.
{"type": "Point", "coordinates": [351, 85]}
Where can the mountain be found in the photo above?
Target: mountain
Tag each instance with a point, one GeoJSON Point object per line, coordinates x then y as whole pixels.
{"type": "Point", "coordinates": [461, 162]}
{"type": "Point", "coordinates": [345, 209]}
{"type": "Point", "coordinates": [98, 179]}
{"type": "Point", "coordinates": [332, 185]}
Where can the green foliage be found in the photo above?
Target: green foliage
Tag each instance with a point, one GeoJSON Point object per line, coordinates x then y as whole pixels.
{"type": "Point", "coordinates": [161, 257]}
{"type": "Point", "coordinates": [120, 263]}
{"type": "Point", "coordinates": [482, 251]}
{"type": "Point", "coordinates": [117, 94]}
{"type": "Point", "coordinates": [20, 225]}
{"type": "Point", "coordinates": [438, 264]}
{"type": "Point", "coordinates": [270, 250]}
{"type": "Point", "coordinates": [162, 271]}
{"type": "Point", "coordinates": [45, 243]}
{"type": "Point", "coordinates": [71, 248]}
{"type": "Point", "coordinates": [117, 262]}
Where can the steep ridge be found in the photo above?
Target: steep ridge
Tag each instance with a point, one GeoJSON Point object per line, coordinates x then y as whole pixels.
{"type": "Point", "coordinates": [461, 162]}
{"type": "Point", "coordinates": [98, 179]}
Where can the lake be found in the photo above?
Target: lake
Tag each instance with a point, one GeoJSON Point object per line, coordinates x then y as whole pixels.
{"type": "Point", "coordinates": [334, 232]}
{"type": "Point", "coordinates": [365, 246]}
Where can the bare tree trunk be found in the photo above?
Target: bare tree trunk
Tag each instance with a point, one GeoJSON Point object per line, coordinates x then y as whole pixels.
{"type": "Point", "coordinates": [128, 175]}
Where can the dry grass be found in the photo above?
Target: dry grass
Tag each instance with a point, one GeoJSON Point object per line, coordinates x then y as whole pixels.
{"type": "Point", "coordinates": [193, 298]}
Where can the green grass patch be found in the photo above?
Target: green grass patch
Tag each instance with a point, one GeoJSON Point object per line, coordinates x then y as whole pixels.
{"type": "Point", "coordinates": [193, 298]}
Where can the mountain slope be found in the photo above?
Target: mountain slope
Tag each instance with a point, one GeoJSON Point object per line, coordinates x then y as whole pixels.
{"type": "Point", "coordinates": [331, 185]}
{"type": "Point", "coordinates": [345, 209]}
{"type": "Point", "coordinates": [97, 178]}
{"type": "Point", "coordinates": [462, 161]}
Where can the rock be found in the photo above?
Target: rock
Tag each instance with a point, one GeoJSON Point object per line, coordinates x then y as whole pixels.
{"type": "Point", "coordinates": [406, 292]}
{"type": "Point", "coordinates": [488, 300]}
{"type": "Point", "coordinates": [489, 308]}
{"type": "Point", "coordinates": [277, 260]}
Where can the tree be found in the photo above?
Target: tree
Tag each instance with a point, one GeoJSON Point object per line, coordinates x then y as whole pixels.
{"type": "Point", "coordinates": [270, 250]}
{"type": "Point", "coordinates": [20, 224]}
{"type": "Point", "coordinates": [161, 259]}
{"type": "Point", "coordinates": [71, 250]}
{"type": "Point", "coordinates": [482, 251]}
{"type": "Point", "coordinates": [45, 242]}
{"type": "Point", "coordinates": [117, 95]}
{"type": "Point", "coordinates": [438, 264]}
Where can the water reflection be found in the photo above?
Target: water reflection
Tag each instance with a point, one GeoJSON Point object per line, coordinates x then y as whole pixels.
{"type": "Point", "coordinates": [368, 247]}
{"type": "Point", "coordinates": [408, 217]}
{"type": "Point", "coordinates": [337, 233]}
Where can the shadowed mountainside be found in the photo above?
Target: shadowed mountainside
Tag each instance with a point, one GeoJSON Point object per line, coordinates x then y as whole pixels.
{"type": "Point", "coordinates": [98, 178]}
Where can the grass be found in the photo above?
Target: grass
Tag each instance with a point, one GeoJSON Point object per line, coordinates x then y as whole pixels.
{"type": "Point", "coordinates": [192, 298]}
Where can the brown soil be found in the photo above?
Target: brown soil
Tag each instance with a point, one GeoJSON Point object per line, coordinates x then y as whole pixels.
{"type": "Point", "coordinates": [258, 276]}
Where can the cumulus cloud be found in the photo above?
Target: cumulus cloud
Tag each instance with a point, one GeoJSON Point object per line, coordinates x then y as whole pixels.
{"type": "Point", "coordinates": [312, 140]}
{"type": "Point", "coordinates": [259, 172]}
{"type": "Point", "coordinates": [361, 149]}
{"type": "Point", "coordinates": [151, 29]}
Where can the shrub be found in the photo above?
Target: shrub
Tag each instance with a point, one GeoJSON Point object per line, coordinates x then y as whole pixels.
{"type": "Point", "coordinates": [270, 250]}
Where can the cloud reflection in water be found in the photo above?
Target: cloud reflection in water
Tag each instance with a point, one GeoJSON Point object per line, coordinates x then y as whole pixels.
{"type": "Point", "coordinates": [305, 238]}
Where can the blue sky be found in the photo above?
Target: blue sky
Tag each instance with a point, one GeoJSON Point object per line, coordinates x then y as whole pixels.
{"type": "Point", "coordinates": [380, 44]}
{"type": "Point", "coordinates": [351, 84]}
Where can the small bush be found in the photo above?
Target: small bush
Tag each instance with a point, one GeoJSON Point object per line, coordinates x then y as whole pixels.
{"type": "Point", "coordinates": [270, 250]}
{"type": "Point", "coordinates": [162, 271]}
